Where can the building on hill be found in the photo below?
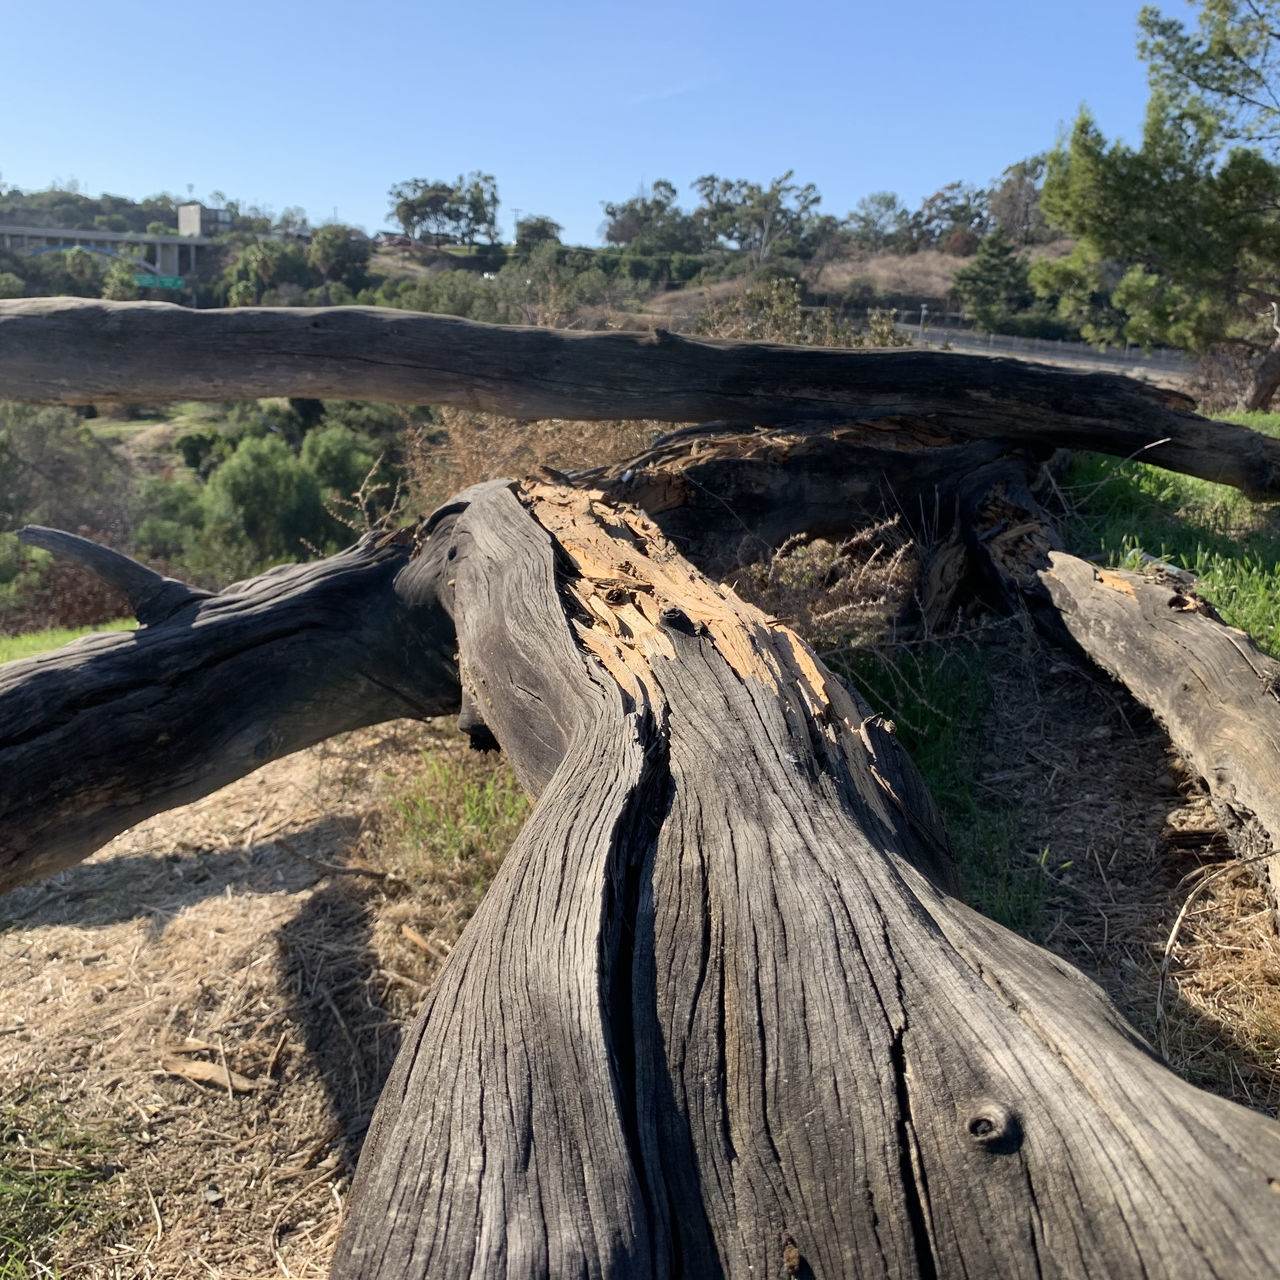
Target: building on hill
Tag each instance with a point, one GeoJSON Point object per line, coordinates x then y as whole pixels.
{"type": "Point", "coordinates": [196, 220]}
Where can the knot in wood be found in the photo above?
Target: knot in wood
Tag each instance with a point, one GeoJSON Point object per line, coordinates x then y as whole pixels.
{"type": "Point", "coordinates": [994, 1127]}
{"type": "Point", "coordinates": [677, 620]}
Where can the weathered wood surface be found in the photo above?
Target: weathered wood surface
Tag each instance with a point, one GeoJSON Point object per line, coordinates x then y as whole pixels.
{"type": "Point", "coordinates": [713, 1005]}
{"type": "Point", "coordinates": [719, 1014]}
{"type": "Point", "coordinates": [77, 351]}
{"type": "Point", "coordinates": [729, 497]}
{"type": "Point", "coordinates": [718, 1005]}
{"type": "Point", "coordinates": [1214, 691]}
{"type": "Point", "coordinates": [102, 733]}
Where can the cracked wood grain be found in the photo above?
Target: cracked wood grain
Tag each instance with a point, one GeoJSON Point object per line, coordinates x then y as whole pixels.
{"type": "Point", "coordinates": [719, 1016]}
{"type": "Point", "coordinates": [720, 1013]}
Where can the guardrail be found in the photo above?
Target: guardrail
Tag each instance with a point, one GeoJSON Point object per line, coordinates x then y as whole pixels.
{"type": "Point", "coordinates": [1049, 348]}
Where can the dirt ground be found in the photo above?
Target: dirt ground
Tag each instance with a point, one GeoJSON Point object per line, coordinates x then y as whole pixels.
{"type": "Point", "coordinates": [198, 1020]}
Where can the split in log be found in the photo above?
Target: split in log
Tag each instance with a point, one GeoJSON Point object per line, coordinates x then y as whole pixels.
{"type": "Point", "coordinates": [719, 1013]}
{"type": "Point", "coordinates": [718, 1003]}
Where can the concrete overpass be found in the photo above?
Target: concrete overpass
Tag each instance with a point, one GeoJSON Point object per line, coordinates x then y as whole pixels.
{"type": "Point", "coordinates": [171, 255]}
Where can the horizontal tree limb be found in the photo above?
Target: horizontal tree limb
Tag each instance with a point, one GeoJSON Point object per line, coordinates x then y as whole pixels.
{"type": "Point", "coordinates": [77, 351]}
{"type": "Point", "coordinates": [102, 733]}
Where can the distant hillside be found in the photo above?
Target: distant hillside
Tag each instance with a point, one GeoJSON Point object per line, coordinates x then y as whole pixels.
{"type": "Point", "coordinates": [58, 207]}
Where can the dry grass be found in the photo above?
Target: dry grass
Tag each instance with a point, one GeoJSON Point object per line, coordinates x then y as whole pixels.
{"type": "Point", "coordinates": [1111, 823]}
{"type": "Point", "coordinates": [468, 447]}
{"type": "Point", "coordinates": [196, 1023]}
{"type": "Point", "coordinates": [443, 832]}
{"type": "Point", "coordinates": [838, 594]}
{"type": "Point", "coordinates": [1080, 824]}
{"type": "Point", "coordinates": [927, 274]}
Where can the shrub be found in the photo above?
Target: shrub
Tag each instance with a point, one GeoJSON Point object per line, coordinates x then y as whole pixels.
{"type": "Point", "coordinates": [338, 459]}
{"type": "Point", "coordinates": [770, 311]}
{"type": "Point", "coordinates": [262, 506]}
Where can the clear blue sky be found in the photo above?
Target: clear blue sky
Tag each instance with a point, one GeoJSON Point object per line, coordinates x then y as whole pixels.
{"type": "Point", "coordinates": [568, 104]}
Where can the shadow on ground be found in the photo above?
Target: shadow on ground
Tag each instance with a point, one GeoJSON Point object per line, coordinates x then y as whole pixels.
{"type": "Point", "coordinates": [328, 964]}
{"type": "Point", "coordinates": [159, 885]}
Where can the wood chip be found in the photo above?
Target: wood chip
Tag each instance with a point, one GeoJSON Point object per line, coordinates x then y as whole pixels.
{"type": "Point", "coordinates": [211, 1073]}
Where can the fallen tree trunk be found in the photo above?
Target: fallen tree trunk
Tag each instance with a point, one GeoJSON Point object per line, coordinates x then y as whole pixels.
{"type": "Point", "coordinates": [77, 351]}
{"type": "Point", "coordinates": [1209, 685]}
{"type": "Point", "coordinates": [788, 1049]}
{"type": "Point", "coordinates": [718, 1014]}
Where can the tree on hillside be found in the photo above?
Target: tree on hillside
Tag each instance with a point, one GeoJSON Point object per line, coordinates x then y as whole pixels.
{"type": "Point", "coordinates": [1177, 243]}
{"type": "Point", "coordinates": [261, 260]}
{"type": "Point", "coordinates": [878, 220]}
{"type": "Point", "coordinates": [464, 209]}
{"type": "Point", "coordinates": [66, 206]}
{"type": "Point", "coordinates": [652, 222]}
{"type": "Point", "coordinates": [1014, 203]}
{"type": "Point", "coordinates": [954, 218]}
{"type": "Point", "coordinates": [423, 206]}
{"type": "Point", "coordinates": [995, 284]}
{"type": "Point", "coordinates": [535, 230]}
{"type": "Point", "coordinates": [756, 219]}
{"type": "Point", "coordinates": [825, 240]}
{"type": "Point", "coordinates": [1229, 65]}
{"type": "Point", "coordinates": [477, 207]}
{"type": "Point", "coordinates": [79, 263]}
{"type": "Point", "coordinates": [339, 252]}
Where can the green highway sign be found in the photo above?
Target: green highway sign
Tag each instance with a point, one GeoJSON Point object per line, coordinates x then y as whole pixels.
{"type": "Point", "coordinates": [160, 282]}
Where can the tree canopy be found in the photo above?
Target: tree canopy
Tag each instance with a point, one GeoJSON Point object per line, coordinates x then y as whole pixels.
{"type": "Point", "coordinates": [1178, 240]}
{"type": "Point", "coordinates": [652, 222]}
{"type": "Point", "coordinates": [1176, 244]}
{"type": "Point", "coordinates": [755, 218]}
{"type": "Point", "coordinates": [1229, 65]}
{"type": "Point", "coordinates": [462, 210]}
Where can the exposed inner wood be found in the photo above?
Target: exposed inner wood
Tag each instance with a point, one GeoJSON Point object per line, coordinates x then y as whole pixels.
{"type": "Point", "coordinates": [711, 1009]}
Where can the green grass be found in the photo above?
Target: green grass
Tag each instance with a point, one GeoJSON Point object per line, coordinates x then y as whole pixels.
{"type": "Point", "coordinates": [1267, 423]}
{"type": "Point", "coordinates": [110, 431]}
{"type": "Point", "coordinates": [34, 642]}
{"type": "Point", "coordinates": [1231, 544]}
{"type": "Point", "coordinates": [456, 820]}
{"type": "Point", "coordinates": [48, 1179]}
{"type": "Point", "coordinates": [938, 698]}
